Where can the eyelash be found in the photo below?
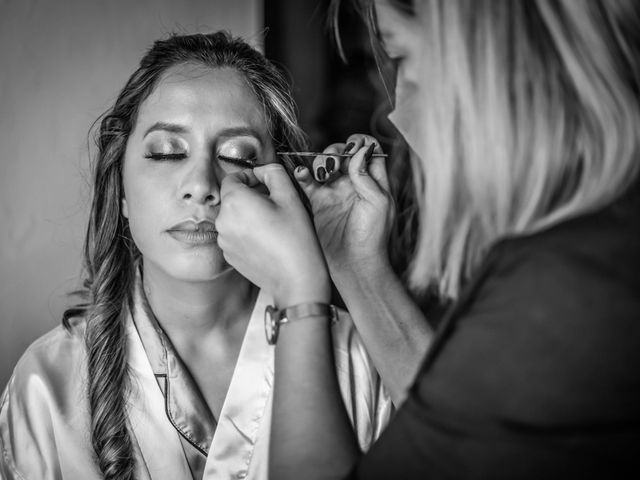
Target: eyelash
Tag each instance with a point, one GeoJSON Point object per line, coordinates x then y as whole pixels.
{"type": "Point", "coordinates": [241, 162]}
{"type": "Point", "coordinates": [166, 156]}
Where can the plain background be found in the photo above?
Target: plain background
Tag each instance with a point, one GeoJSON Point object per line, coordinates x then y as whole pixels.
{"type": "Point", "coordinates": [62, 63]}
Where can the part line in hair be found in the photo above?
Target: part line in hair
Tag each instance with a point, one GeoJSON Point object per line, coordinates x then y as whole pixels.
{"type": "Point", "coordinates": [315, 154]}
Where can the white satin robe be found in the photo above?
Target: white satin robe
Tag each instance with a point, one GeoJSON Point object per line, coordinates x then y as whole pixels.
{"type": "Point", "coordinates": [44, 419]}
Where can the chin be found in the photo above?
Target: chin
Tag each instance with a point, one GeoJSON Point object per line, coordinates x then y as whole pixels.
{"type": "Point", "coordinates": [198, 266]}
{"type": "Point", "coordinates": [202, 270]}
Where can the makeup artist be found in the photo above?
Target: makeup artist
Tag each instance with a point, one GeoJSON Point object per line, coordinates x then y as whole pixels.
{"type": "Point", "coordinates": [523, 118]}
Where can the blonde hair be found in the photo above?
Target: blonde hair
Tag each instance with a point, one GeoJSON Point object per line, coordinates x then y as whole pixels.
{"type": "Point", "coordinates": [530, 117]}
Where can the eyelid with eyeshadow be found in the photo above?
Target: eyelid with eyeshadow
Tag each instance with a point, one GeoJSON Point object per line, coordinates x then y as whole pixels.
{"type": "Point", "coordinates": [166, 147]}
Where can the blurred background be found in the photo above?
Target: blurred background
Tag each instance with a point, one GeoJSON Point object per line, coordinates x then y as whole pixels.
{"type": "Point", "coordinates": [62, 63]}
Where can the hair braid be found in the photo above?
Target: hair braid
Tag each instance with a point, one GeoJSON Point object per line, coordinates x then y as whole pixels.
{"type": "Point", "coordinates": [107, 385]}
{"type": "Point", "coordinates": [109, 261]}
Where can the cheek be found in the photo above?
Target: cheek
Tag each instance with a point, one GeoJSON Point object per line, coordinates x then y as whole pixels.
{"type": "Point", "coordinates": [144, 205]}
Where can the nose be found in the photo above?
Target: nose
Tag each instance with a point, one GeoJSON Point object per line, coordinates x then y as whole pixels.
{"type": "Point", "coordinates": [201, 183]}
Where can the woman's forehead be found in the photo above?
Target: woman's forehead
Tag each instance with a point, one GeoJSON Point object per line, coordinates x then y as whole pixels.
{"type": "Point", "coordinates": [193, 83]}
{"type": "Point", "coordinates": [197, 94]}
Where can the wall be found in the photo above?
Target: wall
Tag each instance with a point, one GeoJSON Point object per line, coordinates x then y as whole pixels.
{"type": "Point", "coordinates": [62, 63]}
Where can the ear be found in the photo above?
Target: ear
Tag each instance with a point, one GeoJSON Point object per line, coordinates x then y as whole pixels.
{"type": "Point", "coordinates": [124, 207]}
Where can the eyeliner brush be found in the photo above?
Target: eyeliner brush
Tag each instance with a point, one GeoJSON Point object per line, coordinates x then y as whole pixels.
{"type": "Point", "coordinates": [315, 154]}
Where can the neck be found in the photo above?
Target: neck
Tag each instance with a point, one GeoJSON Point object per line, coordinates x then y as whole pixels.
{"type": "Point", "coordinates": [221, 305]}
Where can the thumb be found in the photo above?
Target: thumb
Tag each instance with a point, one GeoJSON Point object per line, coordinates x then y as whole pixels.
{"type": "Point", "coordinates": [275, 178]}
{"type": "Point", "coordinates": [364, 184]}
{"type": "Point", "coordinates": [235, 180]}
{"type": "Point", "coordinates": [306, 181]}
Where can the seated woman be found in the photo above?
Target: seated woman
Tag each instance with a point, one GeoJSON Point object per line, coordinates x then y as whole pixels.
{"type": "Point", "coordinates": [164, 371]}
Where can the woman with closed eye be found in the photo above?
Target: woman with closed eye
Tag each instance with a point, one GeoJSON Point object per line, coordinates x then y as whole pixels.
{"type": "Point", "coordinates": [164, 371]}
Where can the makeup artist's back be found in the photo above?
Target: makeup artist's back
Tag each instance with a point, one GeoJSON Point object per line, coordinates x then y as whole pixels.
{"type": "Point", "coordinates": [536, 371]}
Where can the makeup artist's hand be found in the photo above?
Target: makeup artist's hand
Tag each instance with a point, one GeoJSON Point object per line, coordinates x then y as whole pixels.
{"type": "Point", "coordinates": [269, 238]}
{"type": "Point", "coordinates": [353, 212]}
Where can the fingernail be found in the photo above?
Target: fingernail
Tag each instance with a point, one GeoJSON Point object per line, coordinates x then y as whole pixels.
{"type": "Point", "coordinates": [321, 174]}
{"type": "Point", "coordinates": [330, 164]}
{"type": "Point", "coordinates": [349, 146]}
{"type": "Point", "coordinates": [369, 153]}
{"type": "Point", "coordinates": [299, 169]}
{"type": "Point", "coordinates": [367, 157]}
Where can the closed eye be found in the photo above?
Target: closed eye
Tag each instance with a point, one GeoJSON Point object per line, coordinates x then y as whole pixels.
{"type": "Point", "coordinates": [166, 156]}
{"type": "Point", "coordinates": [241, 162]}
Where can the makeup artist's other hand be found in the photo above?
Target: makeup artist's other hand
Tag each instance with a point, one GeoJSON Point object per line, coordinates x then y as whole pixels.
{"type": "Point", "coordinates": [269, 238]}
{"type": "Point", "coordinates": [353, 212]}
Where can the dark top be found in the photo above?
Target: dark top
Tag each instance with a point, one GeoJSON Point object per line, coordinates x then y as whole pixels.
{"type": "Point", "coordinates": [535, 371]}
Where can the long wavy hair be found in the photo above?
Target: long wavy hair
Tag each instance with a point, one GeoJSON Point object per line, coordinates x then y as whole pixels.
{"type": "Point", "coordinates": [530, 116]}
{"type": "Point", "coordinates": [109, 251]}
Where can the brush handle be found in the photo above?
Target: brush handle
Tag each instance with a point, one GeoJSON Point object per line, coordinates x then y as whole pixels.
{"type": "Point", "coordinates": [315, 154]}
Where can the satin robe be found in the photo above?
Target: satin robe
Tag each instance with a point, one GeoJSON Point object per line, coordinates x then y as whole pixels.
{"type": "Point", "coordinates": [44, 419]}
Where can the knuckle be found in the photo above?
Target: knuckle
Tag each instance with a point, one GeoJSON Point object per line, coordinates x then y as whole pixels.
{"type": "Point", "coordinates": [318, 161]}
{"type": "Point", "coordinates": [272, 167]}
{"type": "Point", "coordinates": [230, 201]}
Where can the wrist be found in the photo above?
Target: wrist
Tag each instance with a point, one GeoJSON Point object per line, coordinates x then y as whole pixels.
{"type": "Point", "coordinates": [307, 289]}
{"type": "Point", "coordinates": [361, 266]}
{"type": "Point", "coordinates": [316, 313]}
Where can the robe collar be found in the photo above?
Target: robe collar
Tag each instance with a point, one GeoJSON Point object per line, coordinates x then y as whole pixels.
{"type": "Point", "coordinates": [185, 405]}
{"type": "Point", "coordinates": [245, 413]}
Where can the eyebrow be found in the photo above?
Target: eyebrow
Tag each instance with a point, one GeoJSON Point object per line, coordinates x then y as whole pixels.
{"type": "Point", "coordinates": [167, 127]}
{"type": "Point", "coordinates": [239, 132]}
{"type": "Point", "coordinates": [226, 132]}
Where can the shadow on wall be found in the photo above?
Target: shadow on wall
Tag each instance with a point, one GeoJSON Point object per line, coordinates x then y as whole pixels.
{"type": "Point", "coordinates": [337, 98]}
{"type": "Point", "coordinates": [63, 63]}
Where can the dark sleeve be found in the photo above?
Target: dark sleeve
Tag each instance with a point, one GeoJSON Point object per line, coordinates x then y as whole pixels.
{"type": "Point", "coordinates": [534, 375]}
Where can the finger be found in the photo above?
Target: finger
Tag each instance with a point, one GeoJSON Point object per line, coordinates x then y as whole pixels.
{"type": "Point", "coordinates": [359, 140]}
{"type": "Point", "coordinates": [326, 166]}
{"type": "Point", "coordinates": [306, 181]}
{"type": "Point", "coordinates": [332, 166]}
{"type": "Point", "coordinates": [354, 143]}
{"type": "Point", "coordinates": [364, 184]}
{"type": "Point", "coordinates": [377, 165]}
{"type": "Point", "coordinates": [275, 178]}
{"type": "Point", "coordinates": [378, 171]}
{"type": "Point", "coordinates": [236, 180]}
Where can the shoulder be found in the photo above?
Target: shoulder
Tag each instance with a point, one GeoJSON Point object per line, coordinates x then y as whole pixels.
{"type": "Point", "coordinates": [45, 390]}
{"type": "Point", "coordinates": [588, 264]}
{"type": "Point", "coordinates": [552, 319]}
{"type": "Point", "coordinates": [49, 373]}
{"type": "Point", "coordinates": [50, 356]}
{"type": "Point", "coordinates": [44, 412]}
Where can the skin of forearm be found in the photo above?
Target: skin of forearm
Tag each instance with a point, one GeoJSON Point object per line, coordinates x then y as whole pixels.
{"type": "Point", "coordinates": [311, 436]}
{"type": "Point", "coordinates": [392, 327]}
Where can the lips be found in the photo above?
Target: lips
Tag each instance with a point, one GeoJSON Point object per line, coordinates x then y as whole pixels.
{"type": "Point", "coordinates": [192, 232]}
{"type": "Point", "coordinates": [193, 226]}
